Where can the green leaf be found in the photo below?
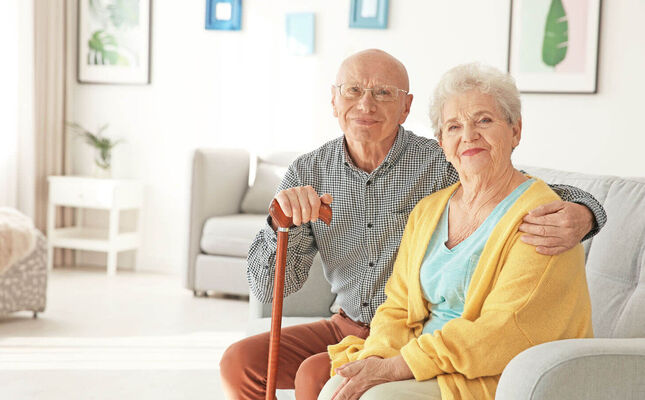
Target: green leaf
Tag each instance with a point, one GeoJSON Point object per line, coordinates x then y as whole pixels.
{"type": "Point", "coordinates": [556, 35]}
{"type": "Point", "coordinates": [104, 44]}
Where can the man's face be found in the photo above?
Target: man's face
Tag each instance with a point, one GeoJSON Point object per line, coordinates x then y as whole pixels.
{"type": "Point", "coordinates": [365, 119]}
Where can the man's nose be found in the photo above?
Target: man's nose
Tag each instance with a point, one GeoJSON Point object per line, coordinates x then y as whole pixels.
{"type": "Point", "coordinates": [366, 102]}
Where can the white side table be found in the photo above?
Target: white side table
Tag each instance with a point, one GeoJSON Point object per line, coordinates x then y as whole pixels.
{"type": "Point", "coordinates": [112, 195]}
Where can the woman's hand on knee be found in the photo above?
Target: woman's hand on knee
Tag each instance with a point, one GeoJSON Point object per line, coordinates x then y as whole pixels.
{"type": "Point", "coordinates": [362, 375]}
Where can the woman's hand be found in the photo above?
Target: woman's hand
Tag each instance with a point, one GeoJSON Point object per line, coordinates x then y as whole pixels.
{"type": "Point", "coordinates": [362, 375]}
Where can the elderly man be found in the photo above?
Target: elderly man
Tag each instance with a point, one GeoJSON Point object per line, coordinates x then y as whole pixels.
{"type": "Point", "coordinates": [376, 172]}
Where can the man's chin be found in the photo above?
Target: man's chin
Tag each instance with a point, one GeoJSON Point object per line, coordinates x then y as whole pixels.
{"type": "Point", "coordinates": [373, 133]}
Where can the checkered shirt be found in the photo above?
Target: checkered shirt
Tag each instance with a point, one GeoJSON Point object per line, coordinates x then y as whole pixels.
{"type": "Point", "coordinates": [370, 211]}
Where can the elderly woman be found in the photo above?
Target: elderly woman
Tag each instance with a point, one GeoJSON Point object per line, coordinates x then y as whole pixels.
{"type": "Point", "coordinates": [466, 295]}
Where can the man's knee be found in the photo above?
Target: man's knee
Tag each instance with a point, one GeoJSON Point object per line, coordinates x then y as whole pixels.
{"type": "Point", "coordinates": [312, 375]}
{"type": "Point", "coordinates": [237, 358]}
{"type": "Point", "coordinates": [231, 357]}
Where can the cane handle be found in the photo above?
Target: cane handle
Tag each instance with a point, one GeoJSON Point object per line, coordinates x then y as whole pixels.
{"type": "Point", "coordinates": [280, 219]}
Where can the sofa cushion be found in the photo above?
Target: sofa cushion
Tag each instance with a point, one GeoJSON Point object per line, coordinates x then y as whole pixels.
{"type": "Point", "coordinates": [259, 195]}
{"type": "Point", "coordinates": [231, 235]}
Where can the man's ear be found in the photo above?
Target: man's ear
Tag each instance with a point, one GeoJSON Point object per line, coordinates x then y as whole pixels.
{"type": "Point", "coordinates": [406, 110]}
{"type": "Point", "coordinates": [333, 101]}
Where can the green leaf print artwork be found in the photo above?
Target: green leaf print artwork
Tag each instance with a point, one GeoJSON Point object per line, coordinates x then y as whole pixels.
{"type": "Point", "coordinates": [103, 50]}
{"type": "Point", "coordinates": [556, 35]}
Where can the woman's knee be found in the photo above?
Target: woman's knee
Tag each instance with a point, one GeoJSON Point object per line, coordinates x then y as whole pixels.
{"type": "Point", "coordinates": [407, 389]}
{"type": "Point", "coordinates": [330, 387]}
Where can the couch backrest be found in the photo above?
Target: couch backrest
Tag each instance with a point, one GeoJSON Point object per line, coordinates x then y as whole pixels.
{"type": "Point", "coordinates": [266, 173]}
{"type": "Point", "coordinates": [616, 255]}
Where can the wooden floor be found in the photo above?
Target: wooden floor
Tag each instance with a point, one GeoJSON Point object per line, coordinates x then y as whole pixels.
{"type": "Point", "coordinates": [86, 302]}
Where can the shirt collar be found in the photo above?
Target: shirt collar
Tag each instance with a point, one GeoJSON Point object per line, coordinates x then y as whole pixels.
{"type": "Point", "coordinates": [392, 157]}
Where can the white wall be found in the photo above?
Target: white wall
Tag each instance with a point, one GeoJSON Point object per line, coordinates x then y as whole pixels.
{"type": "Point", "coordinates": [26, 150]}
{"type": "Point", "coordinates": [241, 89]}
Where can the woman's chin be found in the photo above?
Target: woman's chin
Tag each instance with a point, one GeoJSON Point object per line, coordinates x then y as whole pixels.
{"type": "Point", "coordinates": [474, 167]}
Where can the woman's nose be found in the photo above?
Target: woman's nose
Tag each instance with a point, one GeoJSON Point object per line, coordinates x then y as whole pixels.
{"type": "Point", "coordinates": [470, 133]}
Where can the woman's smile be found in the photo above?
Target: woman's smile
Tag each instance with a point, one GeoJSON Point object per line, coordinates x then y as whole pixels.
{"type": "Point", "coordinates": [472, 151]}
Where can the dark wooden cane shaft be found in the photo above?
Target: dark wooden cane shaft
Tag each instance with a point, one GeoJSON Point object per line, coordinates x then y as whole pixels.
{"type": "Point", "coordinates": [276, 313]}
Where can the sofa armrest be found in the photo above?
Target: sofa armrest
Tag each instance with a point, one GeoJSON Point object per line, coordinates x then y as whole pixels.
{"type": "Point", "coordinates": [576, 369]}
{"type": "Point", "coordinates": [312, 300]}
{"type": "Point", "coordinates": [220, 177]}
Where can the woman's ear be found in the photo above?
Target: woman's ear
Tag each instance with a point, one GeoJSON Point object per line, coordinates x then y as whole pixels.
{"type": "Point", "coordinates": [517, 133]}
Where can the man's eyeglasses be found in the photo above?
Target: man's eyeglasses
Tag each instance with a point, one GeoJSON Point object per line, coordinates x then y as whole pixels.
{"type": "Point", "coordinates": [354, 91]}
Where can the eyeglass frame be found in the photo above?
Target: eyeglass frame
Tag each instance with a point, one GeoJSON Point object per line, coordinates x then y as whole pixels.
{"type": "Point", "coordinates": [363, 89]}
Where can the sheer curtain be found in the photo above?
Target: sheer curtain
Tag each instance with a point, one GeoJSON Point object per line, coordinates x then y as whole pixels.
{"type": "Point", "coordinates": [32, 106]}
{"type": "Point", "coordinates": [50, 53]}
{"type": "Point", "coordinates": [9, 103]}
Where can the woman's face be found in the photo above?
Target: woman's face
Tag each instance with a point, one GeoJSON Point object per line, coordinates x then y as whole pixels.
{"type": "Point", "coordinates": [476, 136]}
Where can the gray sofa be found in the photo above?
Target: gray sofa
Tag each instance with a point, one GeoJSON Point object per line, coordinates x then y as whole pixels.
{"type": "Point", "coordinates": [230, 195]}
{"type": "Point", "coordinates": [611, 366]}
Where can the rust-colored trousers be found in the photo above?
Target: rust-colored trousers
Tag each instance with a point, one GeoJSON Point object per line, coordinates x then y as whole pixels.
{"type": "Point", "coordinates": [303, 361]}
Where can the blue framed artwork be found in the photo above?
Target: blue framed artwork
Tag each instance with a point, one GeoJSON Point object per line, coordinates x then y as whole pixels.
{"type": "Point", "coordinates": [300, 33]}
{"type": "Point", "coordinates": [370, 14]}
{"type": "Point", "coordinates": [224, 15]}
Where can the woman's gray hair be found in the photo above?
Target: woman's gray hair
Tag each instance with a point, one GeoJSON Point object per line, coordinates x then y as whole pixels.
{"type": "Point", "coordinates": [485, 79]}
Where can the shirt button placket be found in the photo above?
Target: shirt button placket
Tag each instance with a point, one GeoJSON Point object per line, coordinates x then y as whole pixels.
{"type": "Point", "coordinates": [370, 214]}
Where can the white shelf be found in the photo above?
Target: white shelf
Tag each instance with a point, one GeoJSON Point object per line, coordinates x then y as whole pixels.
{"type": "Point", "coordinates": [93, 239]}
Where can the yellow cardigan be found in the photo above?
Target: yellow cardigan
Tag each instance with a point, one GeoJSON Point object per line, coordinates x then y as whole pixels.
{"type": "Point", "coordinates": [517, 298]}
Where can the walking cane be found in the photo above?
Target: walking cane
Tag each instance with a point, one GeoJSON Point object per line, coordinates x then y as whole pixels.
{"type": "Point", "coordinates": [284, 223]}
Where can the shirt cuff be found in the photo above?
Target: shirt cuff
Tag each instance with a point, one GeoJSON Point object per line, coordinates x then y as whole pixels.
{"type": "Point", "coordinates": [271, 236]}
{"type": "Point", "coordinates": [600, 217]}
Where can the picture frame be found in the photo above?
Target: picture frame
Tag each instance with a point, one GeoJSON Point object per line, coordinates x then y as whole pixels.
{"type": "Point", "coordinates": [224, 15]}
{"type": "Point", "coordinates": [554, 45]}
{"type": "Point", "coordinates": [113, 42]}
{"type": "Point", "coordinates": [300, 32]}
{"type": "Point", "coordinates": [368, 14]}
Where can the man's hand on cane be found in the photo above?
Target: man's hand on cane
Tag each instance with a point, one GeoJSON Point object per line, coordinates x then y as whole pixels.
{"type": "Point", "coordinates": [301, 203]}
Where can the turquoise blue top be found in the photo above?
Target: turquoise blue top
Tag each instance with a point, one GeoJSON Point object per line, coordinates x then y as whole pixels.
{"type": "Point", "coordinates": [445, 273]}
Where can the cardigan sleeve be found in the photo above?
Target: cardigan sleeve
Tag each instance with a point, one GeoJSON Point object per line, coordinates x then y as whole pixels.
{"type": "Point", "coordinates": [534, 299]}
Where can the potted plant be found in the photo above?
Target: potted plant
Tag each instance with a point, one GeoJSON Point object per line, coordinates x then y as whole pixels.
{"type": "Point", "coordinates": [102, 146]}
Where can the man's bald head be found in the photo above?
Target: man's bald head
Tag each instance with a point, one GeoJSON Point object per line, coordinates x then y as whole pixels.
{"type": "Point", "coordinates": [377, 64]}
{"type": "Point", "coordinates": [369, 119]}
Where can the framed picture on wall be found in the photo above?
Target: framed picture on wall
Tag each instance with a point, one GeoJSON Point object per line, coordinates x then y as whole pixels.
{"type": "Point", "coordinates": [300, 29]}
{"type": "Point", "coordinates": [553, 45]}
{"type": "Point", "coordinates": [371, 14]}
{"type": "Point", "coordinates": [224, 15]}
{"type": "Point", "coordinates": [114, 41]}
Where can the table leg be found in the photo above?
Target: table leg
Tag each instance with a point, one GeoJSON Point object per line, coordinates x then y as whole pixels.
{"type": "Point", "coordinates": [51, 222]}
{"type": "Point", "coordinates": [111, 262]}
{"type": "Point", "coordinates": [113, 230]}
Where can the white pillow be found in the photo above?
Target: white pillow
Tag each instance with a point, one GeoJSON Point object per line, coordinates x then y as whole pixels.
{"type": "Point", "coordinates": [258, 197]}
